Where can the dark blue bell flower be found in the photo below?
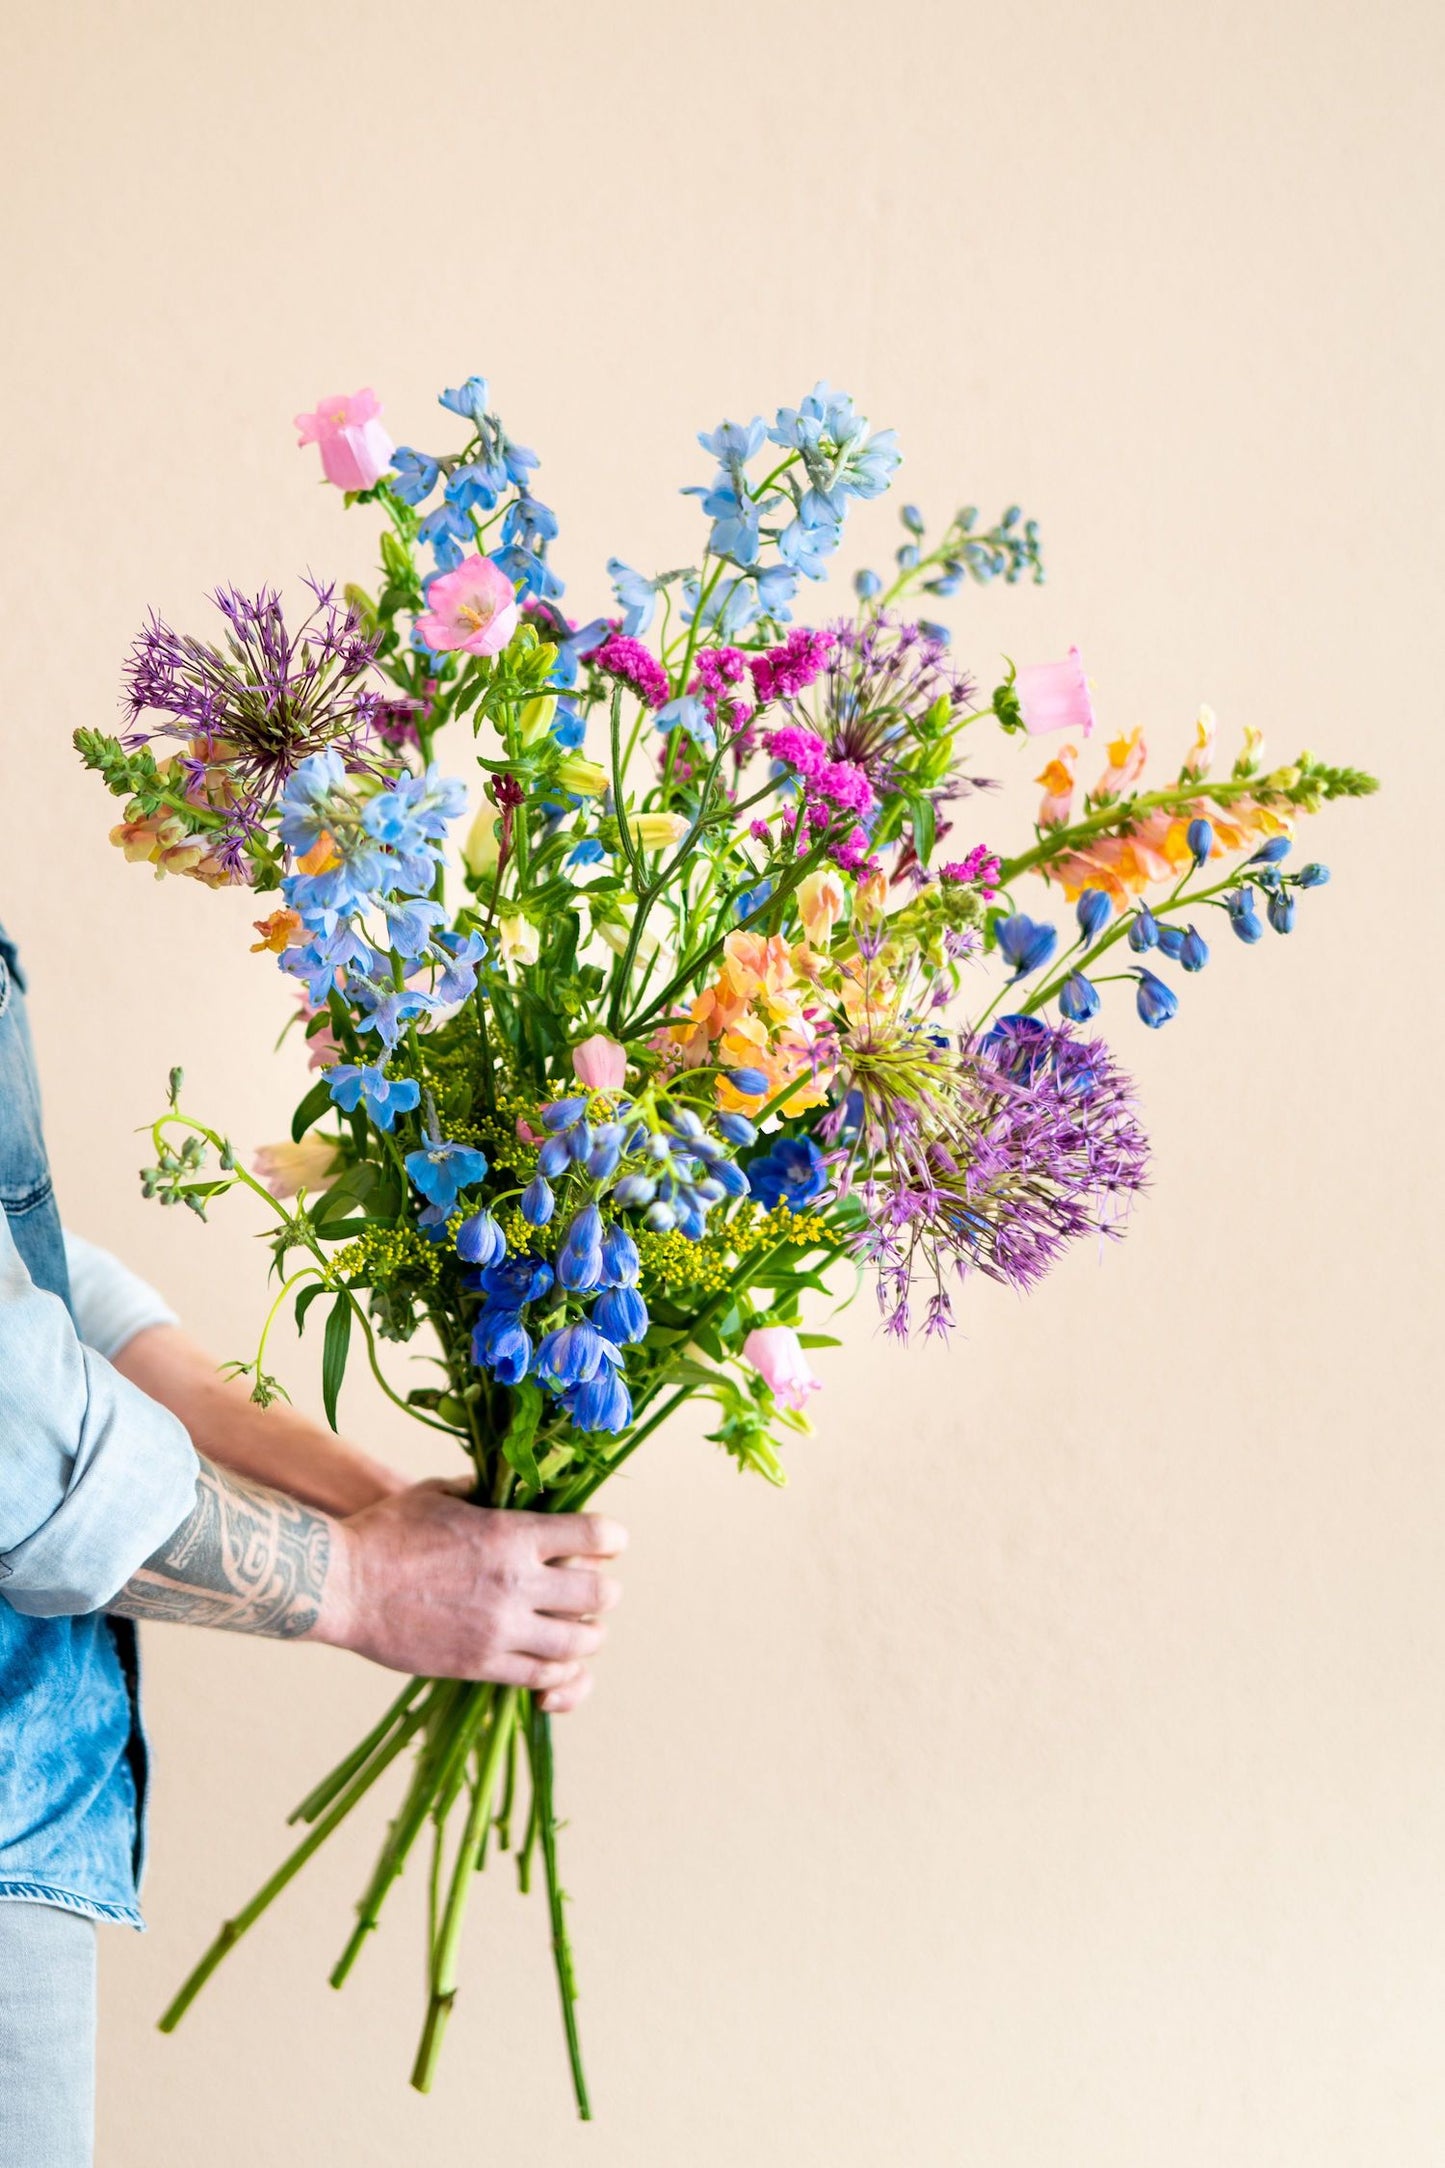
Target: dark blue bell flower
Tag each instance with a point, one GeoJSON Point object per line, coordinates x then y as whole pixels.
{"type": "Point", "coordinates": [1078, 998]}
{"type": "Point", "coordinates": [572, 1354]}
{"type": "Point", "coordinates": [1199, 835]}
{"type": "Point", "coordinates": [710, 1190]}
{"type": "Point", "coordinates": [1193, 950]}
{"type": "Point", "coordinates": [517, 1281]}
{"type": "Point", "coordinates": [738, 1129]}
{"type": "Point", "coordinates": [621, 1265]}
{"type": "Point", "coordinates": [563, 1113]}
{"type": "Point", "coordinates": [1171, 941]}
{"type": "Point", "coordinates": [620, 1315]}
{"type": "Point", "coordinates": [554, 1157]}
{"type": "Point", "coordinates": [634, 1189]}
{"type": "Point", "coordinates": [1155, 1001]}
{"type": "Point", "coordinates": [480, 1240]}
{"type": "Point", "coordinates": [579, 1141]}
{"type": "Point", "coordinates": [606, 1151]}
{"type": "Point", "coordinates": [1242, 915]}
{"type": "Point", "coordinates": [1313, 875]}
{"type": "Point", "coordinates": [537, 1202]}
{"type": "Point", "coordinates": [1270, 853]}
{"type": "Point", "coordinates": [502, 1344]}
{"type": "Point", "coordinates": [686, 1123]}
{"type": "Point", "coordinates": [1281, 910]}
{"type": "Point", "coordinates": [1143, 931]}
{"type": "Point", "coordinates": [602, 1404]}
{"type": "Point", "coordinates": [750, 1082]}
{"type": "Point", "coordinates": [730, 1178]}
{"type": "Point", "coordinates": [1026, 943]}
{"type": "Point", "coordinates": [1093, 910]}
{"type": "Point", "coordinates": [659, 1218]}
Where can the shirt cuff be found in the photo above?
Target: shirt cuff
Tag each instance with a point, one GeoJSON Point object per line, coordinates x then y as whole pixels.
{"type": "Point", "coordinates": [132, 1483]}
{"type": "Point", "coordinates": [109, 1302]}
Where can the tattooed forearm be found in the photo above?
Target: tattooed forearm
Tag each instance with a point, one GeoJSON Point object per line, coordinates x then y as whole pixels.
{"type": "Point", "coordinates": [245, 1558]}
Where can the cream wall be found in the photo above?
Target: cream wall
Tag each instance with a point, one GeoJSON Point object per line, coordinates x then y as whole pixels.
{"type": "Point", "coordinates": [1056, 1773]}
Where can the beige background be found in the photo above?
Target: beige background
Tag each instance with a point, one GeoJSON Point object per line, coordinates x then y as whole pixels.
{"type": "Point", "coordinates": [1055, 1774]}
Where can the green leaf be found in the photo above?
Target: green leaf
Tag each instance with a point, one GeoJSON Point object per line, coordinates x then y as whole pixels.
{"type": "Point", "coordinates": [333, 1354]}
{"type": "Point", "coordinates": [818, 1339]}
{"type": "Point", "coordinates": [304, 1301]}
{"type": "Point", "coordinates": [522, 1429]}
{"type": "Point", "coordinates": [316, 1103]}
{"type": "Point", "coordinates": [921, 812]}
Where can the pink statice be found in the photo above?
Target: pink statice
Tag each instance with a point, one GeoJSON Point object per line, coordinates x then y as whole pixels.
{"type": "Point", "coordinates": [630, 663]}
{"type": "Point", "coordinates": [781, 673]}
{"type": "Point", "coordinates": [799, 749]}
{"type": "Point", "coordinates": [718, 671]}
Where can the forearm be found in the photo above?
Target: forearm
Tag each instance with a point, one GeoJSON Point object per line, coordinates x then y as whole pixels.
{"type": "Point", "coordinates": [246, 1558]}
{"type": "Point", "coordinates": [274, 1445]}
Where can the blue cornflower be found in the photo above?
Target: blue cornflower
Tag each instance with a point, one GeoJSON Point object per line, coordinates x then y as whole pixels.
{"type": "Point", "coordinates": [1155, 1001]}
{"type": "Point", "coordinates": [1026, 943]}
{"type": "Point", "coordinates": [385, 1097]}
{"type": "Point", "coordinates": [620, 1315]}
{"type": "Point", "coordinates": [1094, 910]}
{"type": "Point", "coordinates": [502, 1344]}
{"type": "Point", "coordinates": [480, 1240]}
{"type": "Point", "coordinates": [636, 594]}
{"type": "Point", "coordinates": [1078, 998]}
{"type": "Point", "coordinates": [468, 400]}
{"type": "Point", "coordinates": [414, 474]}
{"type": "Point", "coordinates": [441, 1170]}
{"type": "Point", "coordinates": [791, 1172]}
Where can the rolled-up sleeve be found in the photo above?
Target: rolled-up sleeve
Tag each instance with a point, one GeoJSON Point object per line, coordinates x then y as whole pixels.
{"type": "Point", "coordinates": [94, 1475]}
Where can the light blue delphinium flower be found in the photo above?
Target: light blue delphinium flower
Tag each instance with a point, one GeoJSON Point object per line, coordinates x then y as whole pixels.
{"type": "Point", "coordinates": [385, 1097]}
{"type": "Point", "coordinates": [636, 595]}
{"type": "Point", "coordinates": [469, 399]}
{"type": "Point", "coordinates": [441, 1171]}
{"type": "Point", "coordinates": [414, 474]}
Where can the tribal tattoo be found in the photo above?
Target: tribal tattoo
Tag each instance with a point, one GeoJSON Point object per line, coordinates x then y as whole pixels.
{"type": "Point", "coordinates": [245, 1558]}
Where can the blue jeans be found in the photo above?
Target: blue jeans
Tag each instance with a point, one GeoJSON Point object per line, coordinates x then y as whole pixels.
{"type": "Point", "coordinates": [47, 2037]}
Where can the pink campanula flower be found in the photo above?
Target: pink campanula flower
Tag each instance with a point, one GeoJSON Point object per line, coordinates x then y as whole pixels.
{"type": "Point", "coordinates": [355, 449]}
{"type": "Point", "coordinates": [775, 1353]}
{"type": "Point", "coordinates": [473, 609]}
{"type": "Point", "coordinates": [1055, 696]}
{"type": "Point", "coordinates": [600, 1063]}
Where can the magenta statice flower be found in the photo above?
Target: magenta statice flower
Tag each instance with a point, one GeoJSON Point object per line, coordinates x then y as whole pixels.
{"type": "Point", "coordinates": [979, 869]}
{"type": "Point", "coordinates": [781, 673]}
{"type": "Point", "coordinates": [252, 710]}
{"type": "Point", "coordinates": [631, 664]}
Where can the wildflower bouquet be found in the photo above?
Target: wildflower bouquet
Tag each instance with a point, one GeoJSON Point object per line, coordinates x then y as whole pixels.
{"type": "Point", "coordinates": [722, 990]}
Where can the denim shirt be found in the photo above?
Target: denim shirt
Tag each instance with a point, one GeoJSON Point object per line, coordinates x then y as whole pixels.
{"type": "Point", "coordinates": [93, 1477]}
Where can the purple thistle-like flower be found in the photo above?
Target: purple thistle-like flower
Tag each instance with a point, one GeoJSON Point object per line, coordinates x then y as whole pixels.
{"type": "Point", "coordinates": [253, 708]}
{"type": "Point", "coordinates": [992, 1158]}
{"type": "Point", "coordinates": [882, 678]}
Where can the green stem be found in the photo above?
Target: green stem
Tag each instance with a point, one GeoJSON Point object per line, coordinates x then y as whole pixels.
{"type": "Point", "coordinates": [448, 1943]}
{"type": "Point", "coordinates": [1123, 814]}
{"type": "Point", "coordinates": [234, 1929]}
{"type": "Point", "coordinates": [540, 1739]}
{"type": "Point", "coordinates": [321, 1797]}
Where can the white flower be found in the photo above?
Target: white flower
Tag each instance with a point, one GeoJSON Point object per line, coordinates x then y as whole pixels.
{"type": "Point", "coordinates": [518, 940]}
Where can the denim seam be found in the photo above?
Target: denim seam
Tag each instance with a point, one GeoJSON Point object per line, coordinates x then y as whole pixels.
{"type": "Point", "coordinates": [66, 1900]}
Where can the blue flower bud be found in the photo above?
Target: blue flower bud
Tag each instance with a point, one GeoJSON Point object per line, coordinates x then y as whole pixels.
{"type": "Point", "coordinates": [1094, 910]}
{"type": "Point", "coordinates": [737, 1128]}
{"type": "Point", "coordinates": [866, 585]}
{"type": "Point", "coordinates": [658, 1147]}
{"type": "Point", "coordinates": [750, 1082]}
{"type": "Point", "coordinates": [1270, 854]}
{"type": "Point", "coordinates": [731, 1176]}
{"type": "Point", "coordinates": [1026, 943]}
{"type": "Point", "coordinates": [711, 1191]}
{"type": "Point", "coordinates": [691, 1218]}
{"type": "Point", "coordinates": [1155, 1001]}
{"type": "Point", "coordinates": [620, 1315]}
{"type": "Point", "coordinates": [554, 1157]}
{"type": "Point", "coordinates": [1313, 875]}
{"type": "Point", "coordinates": [660, 1218]}
{"type": "Point", "coordinates": [634, 1189]}
{"type": "Point", "coordinates": [1194, 951]}
{"type": "Point", "coordinates": [1143, 930]}
{"type": "Point", "coordinates": [501, 1344]}
{"type": "Point", "coordinates": [603, 1157]}
{"type": "Point", "coordinates": [686, 1123]}
{"type": "Point", "coordinates": [480, 1240]}
{"type": "Point", "coordinates": [1281, 910]}
{"type": "Point", "coordinates": [621, 1265]}
{"type": "Point", "coordinates": [1078, 998]}
{"type": "Point", "coordinates": [572, 1354]}
{"type": "Point", "coordinates": [517, 1281]}
{"type": "Point", "coordinates": [603, 1403]}
{"type": "Point", "coordinates": [1171, 942]}
{"type": "Point", "coordinates": [579, 1141]}
{"type": "Point", "coordinates": [537, 1202]}
{"type": "Point", "coordinates": [563, 1113]}
{"type": "Point", "coordinates": [912, 518]}
{"type": "Point", "coordinates": [1242, 915]}
{"type": "Point", "coordinates": [1199, 835]}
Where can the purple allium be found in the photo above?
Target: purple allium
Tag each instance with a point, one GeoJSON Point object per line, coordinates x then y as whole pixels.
{"type": "Point", "coordinates": [253, 710]}
{"type": "Point", "coordinates": [877, 698]}
{"type": "Point", "coordinates": [630, 662]}
{"type": "Point", "coordinates": [992, 1158]}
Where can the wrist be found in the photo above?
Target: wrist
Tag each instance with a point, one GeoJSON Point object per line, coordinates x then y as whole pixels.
{"type": "Point", "coordinates": [337, 1612]}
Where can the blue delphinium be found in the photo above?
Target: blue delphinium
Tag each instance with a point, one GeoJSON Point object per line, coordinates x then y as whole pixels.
{"type": "Point", "coordinates": [792, 1172]}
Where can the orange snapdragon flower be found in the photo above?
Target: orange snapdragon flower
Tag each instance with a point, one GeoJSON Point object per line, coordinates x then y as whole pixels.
{"type": "Point", "coordinates": [754, 1016]}
{"type": "Point", "coordinates": [1058, 781]}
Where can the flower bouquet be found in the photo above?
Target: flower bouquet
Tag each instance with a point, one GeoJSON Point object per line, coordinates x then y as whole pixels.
{"type": "Point", "coordinates": [722, 993]}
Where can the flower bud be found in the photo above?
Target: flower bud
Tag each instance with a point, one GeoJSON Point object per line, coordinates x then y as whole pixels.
{"type": "Point", "coordinates": [483, 847]}
{"type": "Point", "coordinates": [1281, 910]}
{"type": "Point", "coordinates": [1094, 910]}
{"type": "Point", "coordinates": [1078, 998]}
{"type": "Point", "coordinates": [1242, 915]}
{"type": "Point", "coordinates": [1313, 875]}
{"type": "Point", "coordinates": [537, 1202]}
{"type": "Point", "coordinates": [1155, 1001]}
{"type": "Point", "coordinates": [1200, 837]}
{"type": "Point", "coordinates": [1143, 930]}
{"type": "Point", "coordinates": [1270, 853]}
{"type": "Point", "coordinates": [480, 1240]}
{"type": "Point", "coordinates": [750, 1082]}
{"type": "Point", "coordinates": [580, 777]}
{"type": "Point", "coordinates": [1194, 950]}
{"type": "Point", "coordinates": [658, 831]}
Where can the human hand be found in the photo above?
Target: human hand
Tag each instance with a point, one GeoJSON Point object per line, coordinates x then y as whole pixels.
{"type": "Point", "coordinates": [427, 1582]}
